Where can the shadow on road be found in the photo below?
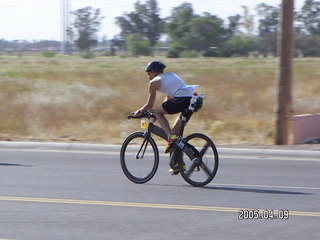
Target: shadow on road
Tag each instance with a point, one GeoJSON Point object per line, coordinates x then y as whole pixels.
{"type": "Point", "coordinates": [14, 165]}
{"type": "Point", "coordinates": [251, 190]}
{"type": "Point", "coordinates": [255, 190]}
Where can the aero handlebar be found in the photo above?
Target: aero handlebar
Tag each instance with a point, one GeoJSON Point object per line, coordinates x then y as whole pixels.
{"type": "Point", "coordinates": [142, 114]}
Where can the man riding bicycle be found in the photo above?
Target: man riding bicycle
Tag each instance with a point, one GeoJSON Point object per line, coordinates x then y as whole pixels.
{"type": "Point", "coordinates": [178, 96]}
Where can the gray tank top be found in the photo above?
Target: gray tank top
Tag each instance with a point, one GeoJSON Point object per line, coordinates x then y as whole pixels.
{"type": "Point", "coordinates": [173, 86]}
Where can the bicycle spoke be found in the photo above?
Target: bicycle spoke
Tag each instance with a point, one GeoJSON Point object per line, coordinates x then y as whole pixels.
{"type": "Point", "coordinates": [191, 168]}
{"type": "Point", "coordinates": [206, 169]}
{"type": "Point", "coordinates": [204, 150]}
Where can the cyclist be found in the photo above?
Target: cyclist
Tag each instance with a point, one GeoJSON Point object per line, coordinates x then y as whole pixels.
{"type": "Point", "coordinates": [177, 99]}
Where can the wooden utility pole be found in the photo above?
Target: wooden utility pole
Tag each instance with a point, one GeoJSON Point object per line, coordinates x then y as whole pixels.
{"type": "Point", "coordinates": [285, 53]}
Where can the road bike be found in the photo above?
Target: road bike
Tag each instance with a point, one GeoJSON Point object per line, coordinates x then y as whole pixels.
{"type": "Point", "coordinates": [195, 156]}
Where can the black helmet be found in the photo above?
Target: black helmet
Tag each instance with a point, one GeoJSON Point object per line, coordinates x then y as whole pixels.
{"type": "Point", "coordinates": [155, 66]}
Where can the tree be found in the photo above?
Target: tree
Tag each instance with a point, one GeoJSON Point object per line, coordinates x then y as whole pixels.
{"type": "Point", "coordinates": [269, 18]}
{"type": "Point", "coordinates": [308, 45]}
{"type": "Point", "coordinates": [206, 31]}
{"type": "Point", "coordinates": [183, 13]}
{"type": "Point", "coordinates": [145, 21]}
{"type": "Point", "coordinates": [268, 28]}
{"type": "Point", "coordinates": [137, 45]}
{"type": "Point", "coordinates": [188, 31]}
{"type": "Point", "coordinates": [178, 28]}
{"type": "Point", "coordinates": [247, 21]}
{"type": "Point", "coordinates": [234, 25]}
{"type": "Point", "coordinates": [238, 45]}
{"type": "Point", "coordinates": [310, 17]}
{"type": "Point", "coordinates": [87, 22]}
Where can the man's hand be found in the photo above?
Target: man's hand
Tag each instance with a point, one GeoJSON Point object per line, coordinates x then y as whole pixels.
{"type": "Point", "coordinates": [137, 113]}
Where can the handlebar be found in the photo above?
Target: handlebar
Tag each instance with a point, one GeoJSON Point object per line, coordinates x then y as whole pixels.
{"type": "Point", "coordinates": [142, 114]}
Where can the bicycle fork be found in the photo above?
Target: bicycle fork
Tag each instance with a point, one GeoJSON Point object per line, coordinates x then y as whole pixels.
{"type": "Point", "coordinates": [143, 147]}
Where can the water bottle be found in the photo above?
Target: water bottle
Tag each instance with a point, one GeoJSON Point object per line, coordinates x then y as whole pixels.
{"type": "Point", "coordinates": [200, 100]}
{"type": "Point", "coordinates": [144, 123]}
{"type": "Point", "coordinates": [193, 101]}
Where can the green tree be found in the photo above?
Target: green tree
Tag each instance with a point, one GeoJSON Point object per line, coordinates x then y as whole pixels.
{"type": "Point", "coordinates": [206, 31]}
{"type": "Point", "coordinates": [234, 25]}
{"type": "Point", "coordinates": [268, 18]}
{"type": "Point", "coordinates": [308, 45]}
{"type": "Point", "coordinates": [188, 31]}
{"type": "Point", "coordinates": [137, 45]}
{"type": "Point", "coordinates": [309, 17]}
{"type": "Point", "coordinates": [178, 28]}
{"type": "Point", "coordinates": [238, 45]}
{"type": "Point", "coordinates": [87, 23]}
{"type": "Point", "coordinates": [268, 28]}
{"type": "Point", "coordinates": [145, 21]}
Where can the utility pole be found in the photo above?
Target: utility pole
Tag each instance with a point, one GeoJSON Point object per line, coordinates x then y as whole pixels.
{"type": "Point", "coordinates": [65, 14]}
{"type": "Point", "coordinates": [284, 76]}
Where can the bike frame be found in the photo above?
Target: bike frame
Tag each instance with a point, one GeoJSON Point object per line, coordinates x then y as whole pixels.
{"type": "Point", "coordinates": [181, 144]}
{"type": "Point", "coordinates": [184, 117]}
{"type": "Point", "coordinates": [157, 131]}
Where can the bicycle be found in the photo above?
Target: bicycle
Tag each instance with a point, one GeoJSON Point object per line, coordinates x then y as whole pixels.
{"type": "Point", "coordinates": [196, 155]}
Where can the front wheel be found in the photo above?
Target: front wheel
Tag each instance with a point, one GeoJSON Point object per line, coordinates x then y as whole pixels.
{"type": "Point", "coordinates": [202, 168]}
{"type": "Point", "coordinates": [139, 157]}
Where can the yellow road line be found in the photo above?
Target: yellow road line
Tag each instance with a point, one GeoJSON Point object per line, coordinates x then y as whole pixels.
{"type": "Point", "coordinates": [143, 205]}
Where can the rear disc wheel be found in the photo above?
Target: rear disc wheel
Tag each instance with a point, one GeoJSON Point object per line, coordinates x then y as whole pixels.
{"type": "Point", "coordinates": [200, 170]}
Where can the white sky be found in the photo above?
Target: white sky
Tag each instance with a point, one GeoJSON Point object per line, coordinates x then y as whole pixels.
{"type": "Point", "coordinates": [41, 19]}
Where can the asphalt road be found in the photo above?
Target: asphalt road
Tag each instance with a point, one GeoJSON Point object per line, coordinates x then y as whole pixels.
{"type": "Point", "coordinates": [83, 194]}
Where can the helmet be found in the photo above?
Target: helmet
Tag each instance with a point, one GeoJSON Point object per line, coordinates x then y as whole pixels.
{"type": "Point", "coordinates": [155, 66]}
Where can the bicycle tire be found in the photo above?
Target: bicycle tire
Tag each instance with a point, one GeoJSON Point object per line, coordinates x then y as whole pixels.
{"type": "Point", "coordinates": [201, 170]}
{"type": "Point", "coordinates": [136, 169]}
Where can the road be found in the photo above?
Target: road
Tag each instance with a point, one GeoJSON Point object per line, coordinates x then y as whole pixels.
{"type": "Point", "coordinates": [73, 194]}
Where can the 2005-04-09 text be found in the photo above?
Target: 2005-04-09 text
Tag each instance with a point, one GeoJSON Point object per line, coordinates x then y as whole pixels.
{"type": "Point", "coordinates": [251, 214]}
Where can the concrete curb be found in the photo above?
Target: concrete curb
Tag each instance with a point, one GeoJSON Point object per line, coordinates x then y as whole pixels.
{"type": "Point", "coordinates": [59, 146]}
{"type": "Point", "coordinates": [64, 146]}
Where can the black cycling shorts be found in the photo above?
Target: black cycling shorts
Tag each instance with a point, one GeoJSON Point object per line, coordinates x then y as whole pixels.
{"type": "Point", "coordinates": [176, 105]}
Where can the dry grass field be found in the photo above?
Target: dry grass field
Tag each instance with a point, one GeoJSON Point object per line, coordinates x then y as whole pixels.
{"type": "Point", "coordinates": [75, 99]}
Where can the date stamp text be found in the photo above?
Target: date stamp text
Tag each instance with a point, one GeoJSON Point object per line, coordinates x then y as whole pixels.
{"type": "Point", "coordinates": [256, 214]}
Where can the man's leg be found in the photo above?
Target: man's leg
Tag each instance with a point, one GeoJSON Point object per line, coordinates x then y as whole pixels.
{"type": "Point", "coordinates": [160, 112]}
{"type": "Point", "coordinates": [176, 126]}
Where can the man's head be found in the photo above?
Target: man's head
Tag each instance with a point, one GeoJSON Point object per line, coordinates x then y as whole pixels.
{"type": "Point", "coordinates": [155, 68]}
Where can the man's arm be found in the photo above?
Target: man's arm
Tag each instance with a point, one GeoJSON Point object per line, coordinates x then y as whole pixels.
{"type": "Point", "coordinates": [153, 86]}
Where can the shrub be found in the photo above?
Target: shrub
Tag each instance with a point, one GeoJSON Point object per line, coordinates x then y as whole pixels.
{"type": "Point", "coordinates": [189, 54]}
{"type": "Point", "coordinates": [173, 53]}
{"type": "Point", "coordinates": [48, 54]}
{"type": "Point", "coordinates": [138, 46]}
{"type": "Point", "coordinates": [88, 55]}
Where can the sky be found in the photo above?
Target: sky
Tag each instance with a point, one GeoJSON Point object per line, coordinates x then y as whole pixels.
{"type": "Point", "coordinates": [42, 19]}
